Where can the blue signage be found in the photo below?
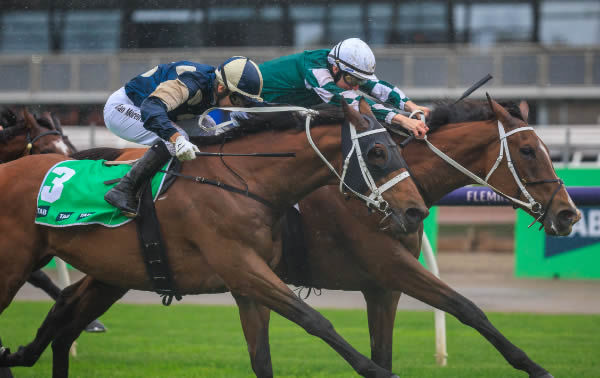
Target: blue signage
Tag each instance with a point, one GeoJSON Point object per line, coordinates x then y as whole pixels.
{"type": "Point", "coordinates": [585, 232]}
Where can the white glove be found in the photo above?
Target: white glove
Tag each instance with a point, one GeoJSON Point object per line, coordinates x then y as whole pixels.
{"type": "Point", "coordinates": [184, 149]}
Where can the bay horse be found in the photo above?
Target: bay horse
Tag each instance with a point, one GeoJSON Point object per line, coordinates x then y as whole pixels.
{"type": "Point", "coordinates": [217, 240]}
{"type": "Point", "coordinates": [25, 135]}
{"type": "Point", "coordinates": [383, 265]}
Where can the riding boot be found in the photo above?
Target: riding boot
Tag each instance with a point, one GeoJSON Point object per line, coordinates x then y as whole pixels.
{"type": "Point", "coordinates": [124, 194]}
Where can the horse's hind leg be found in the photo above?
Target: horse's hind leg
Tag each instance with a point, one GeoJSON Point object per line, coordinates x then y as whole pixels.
{"type": "Point", "coordinates": [248, 275]}
{"type": "Point", "coordinates": [92, 299]}
{"type": "Point", "coordinates": [84, 299]}
{"type": "Point", "coordinates": [381, 311]}
{"type": "Point", "coordinates": [41, 280]}
{"type": "Point", "coordinates": [255, 323]}
{"type": "Point", "coordinates": [407, 274]}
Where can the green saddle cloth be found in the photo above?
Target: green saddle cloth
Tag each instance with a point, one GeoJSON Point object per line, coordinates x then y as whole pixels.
{"type": "Point", "coordinates": [72, 193]}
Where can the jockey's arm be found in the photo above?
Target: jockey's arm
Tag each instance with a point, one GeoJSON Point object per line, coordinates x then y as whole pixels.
{"type": "Point", "coordinates": [167, 96]}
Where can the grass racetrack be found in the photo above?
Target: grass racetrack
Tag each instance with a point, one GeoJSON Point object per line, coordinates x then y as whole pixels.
{"type": "Point", "coordinates": [207, 341]}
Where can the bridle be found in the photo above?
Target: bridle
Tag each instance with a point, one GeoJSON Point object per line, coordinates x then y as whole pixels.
{"type": "Point", "coordinates": [375, 199]}
{"type": "Point", "coordinates": [532, 205]}
{"type": "Point", "coordinates": [31, 141]}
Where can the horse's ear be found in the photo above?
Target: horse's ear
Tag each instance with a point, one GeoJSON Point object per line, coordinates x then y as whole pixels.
{"type": "Point", "coordinates": [365, 108]}
{"type": "Point", "coordinates": [524, 108]}
{"type": "Point", "coordinates": [48, 117]}
{"type": "Point", "coordinates": [30, 121]}
{"type": "Point", "coordinates": [501, 114]}
{"type": "Point", "coordinates": [352, 115]}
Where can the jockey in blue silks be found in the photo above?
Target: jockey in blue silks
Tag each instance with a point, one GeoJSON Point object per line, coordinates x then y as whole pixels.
{"type": "Point", "coordinates": [146, 108]}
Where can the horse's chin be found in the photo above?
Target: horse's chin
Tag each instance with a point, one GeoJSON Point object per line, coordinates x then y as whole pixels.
{"type": "Point", "coordinates": [552, 229]}
{"type": "Point", "coordinates": [399, 225]}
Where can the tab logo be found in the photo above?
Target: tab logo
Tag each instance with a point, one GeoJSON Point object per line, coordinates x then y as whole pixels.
{"type": "Point", "coordinates": [63, 216]}
{"type": "Point", "coordinates": [585, 232]}
{"type": "Point", "coordinates": [85, 215]}
{"type": "Point", "coordinates": [42, 211]}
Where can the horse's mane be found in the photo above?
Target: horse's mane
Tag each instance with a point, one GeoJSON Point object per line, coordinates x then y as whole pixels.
{"type": "Point", "coordinates": [260, 122]}
{"type": "Point", "coordinates": [106, 153]}
{"type": "Point", "coordinates": [445, 112]}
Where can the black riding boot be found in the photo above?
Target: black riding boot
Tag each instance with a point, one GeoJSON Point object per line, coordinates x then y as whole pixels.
{"type": "Point", "coordinates": [124, 194]}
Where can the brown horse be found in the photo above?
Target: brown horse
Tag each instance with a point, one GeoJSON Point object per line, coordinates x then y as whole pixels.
{"type": "Point", "coordinates": [25, 135]}
{"type": "Point", "coordinates": [339, 233]}
{"type": "Point", "coordinates": [375, 262]}
{"type": "Point", "coordinates": [217, 240]}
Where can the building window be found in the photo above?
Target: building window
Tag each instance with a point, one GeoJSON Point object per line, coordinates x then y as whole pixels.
{"type": "Point", "coordinates": [24, 31]}
{"type": "Point", "coordinates": [488, 24]}
{"type": "Point", "coordinates": [421, 22]}
{"type": "Point", "coordinates": [308, 24]}
{"type": "Point", "coordinates": [91, 30]}
{"type": "Point", "coordinates": [570, 23]}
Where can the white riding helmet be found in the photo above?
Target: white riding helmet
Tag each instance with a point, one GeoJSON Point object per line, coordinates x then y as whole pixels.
{"type": "Point", "coordinates": [354, 56]}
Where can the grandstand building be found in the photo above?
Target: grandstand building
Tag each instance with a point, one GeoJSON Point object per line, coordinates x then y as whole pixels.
{"type": "Point", "coordinates": [71, 55]}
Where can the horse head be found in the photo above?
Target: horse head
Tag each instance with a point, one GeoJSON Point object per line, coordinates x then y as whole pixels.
{"type": "Point", "coordinates": [385, 167]}
{"type": "Point", "coordinates": [535, 183]}
{"type": "Point", "coordinates": [43, 136]}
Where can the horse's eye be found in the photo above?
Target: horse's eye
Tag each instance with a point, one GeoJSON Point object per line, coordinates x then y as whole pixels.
{"type": "Point", "coordinates": [528, 152]}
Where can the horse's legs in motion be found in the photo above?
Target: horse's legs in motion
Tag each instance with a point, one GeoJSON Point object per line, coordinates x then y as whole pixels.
{"type": "Point", "coordinates": [4, 372]}
{"type": "Point", "coordinates": [41, 280]}
{"type": "Point", "coordinates": [381, 310]}
{"type": "Point", "coordinates": [255, 323]}
{"type": "Point", "coordinates": [421, 284]}
{"type": "Point", "coordinates": [248, 275]}
{"type": "Point", "coordinates": [78, 303]}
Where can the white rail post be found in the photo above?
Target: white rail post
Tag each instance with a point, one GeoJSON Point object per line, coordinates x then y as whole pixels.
{"type": "Point", "coordinates": [65, 280]}
{"type": "Point", "coordinates": [441, 356]}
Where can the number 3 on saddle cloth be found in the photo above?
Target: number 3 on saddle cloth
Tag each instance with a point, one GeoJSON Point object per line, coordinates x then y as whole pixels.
{"type": "Point", "coordinates": [72, 194]}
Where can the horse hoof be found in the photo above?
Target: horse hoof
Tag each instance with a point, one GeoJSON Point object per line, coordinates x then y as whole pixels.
{"type": "Point", "coordinates": [95, 327]}
{"type": "Point", "coordinates": [4, 353]}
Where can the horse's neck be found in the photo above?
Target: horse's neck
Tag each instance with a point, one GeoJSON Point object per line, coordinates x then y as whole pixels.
{"type": "Point", "coordinates": [466, 143]}
{"type": "Point", "coordinates": [284, 181]}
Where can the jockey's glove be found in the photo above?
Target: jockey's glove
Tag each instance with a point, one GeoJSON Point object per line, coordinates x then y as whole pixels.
{"type": "Point", "coordinates": [184, 149]}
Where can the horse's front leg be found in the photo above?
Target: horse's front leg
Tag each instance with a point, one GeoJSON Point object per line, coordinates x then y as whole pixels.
{"type": "Point", "coordinates": [255, 323]}
{"type": "Point", "coordinates": [246, 274]}
{"type": "Point", "coordinates": [381, 311]}
{"type": "Point", "coordinates": [407, 274]}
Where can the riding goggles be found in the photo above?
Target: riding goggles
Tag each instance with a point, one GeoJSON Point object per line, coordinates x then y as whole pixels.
{"type": "Point", "coordinates": [352, 80]}
{"type": "Point", "coordinates": [239, 100]}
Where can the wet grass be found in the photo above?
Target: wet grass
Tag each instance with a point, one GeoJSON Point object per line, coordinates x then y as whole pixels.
{"type": "Point", "coordinates": [207, 341]}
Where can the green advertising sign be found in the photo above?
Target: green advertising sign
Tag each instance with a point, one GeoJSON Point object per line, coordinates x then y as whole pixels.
{"type": "Point", "coordinates": [576, 256]}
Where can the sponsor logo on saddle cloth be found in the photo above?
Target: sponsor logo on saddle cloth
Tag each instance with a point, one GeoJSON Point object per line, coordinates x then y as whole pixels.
{"type": "Point", "coordinates": [72, 194]}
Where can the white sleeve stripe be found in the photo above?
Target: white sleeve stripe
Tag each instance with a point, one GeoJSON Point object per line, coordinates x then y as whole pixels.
{"type": "Point", "coordinates": [349, 94]}
{"type": "Point", "coordinates": [402, 95]}
{"type": "Point", "coordinates": [324, 94]}
{"type": "Point", "coordinates": [388, 117]}
{"type": "Point", "coordinates": [381, 92]}
{"type": "Point", "coordinates": [322, 75]}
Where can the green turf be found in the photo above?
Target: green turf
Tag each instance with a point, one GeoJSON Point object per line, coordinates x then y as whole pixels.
{"type": "Point", "coordinates": [206, 341]}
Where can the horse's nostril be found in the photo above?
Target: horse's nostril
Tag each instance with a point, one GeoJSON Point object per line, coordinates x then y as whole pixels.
{"type": "Point", "coordinates": [414, 215]}
{"type": "Point", "coordinates": [567, 217]}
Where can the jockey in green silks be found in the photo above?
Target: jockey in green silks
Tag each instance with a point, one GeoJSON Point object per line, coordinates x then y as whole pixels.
{"type": "Point", "coordinates": [313, 77]}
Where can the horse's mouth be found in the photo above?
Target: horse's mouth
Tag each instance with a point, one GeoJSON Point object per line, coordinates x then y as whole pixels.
{"type": "Point", "coordinates": [403, 222]}
{"type": "Point", "coordinates": [562, 223]}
